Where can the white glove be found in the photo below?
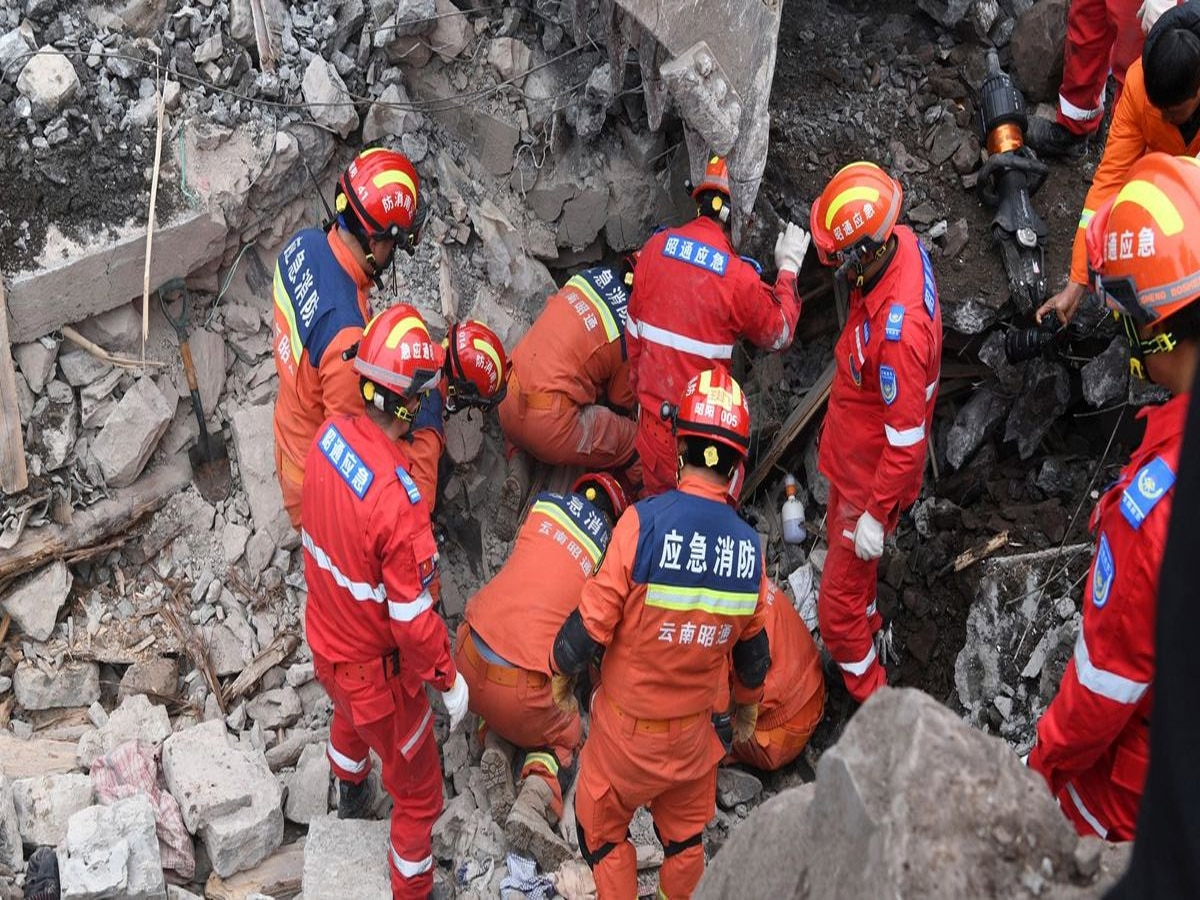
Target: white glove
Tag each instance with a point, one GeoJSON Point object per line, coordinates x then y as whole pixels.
{"type": "Point", "coordinates": [868, 537]}
{"type": "Point", "coordinates": [885, 645]}
{"type": "Point", "coordinates": [790, 247]}
{"type": "Point", "coordinates": [456, 701]}
{"type": "Point", "coordinates": [1149, 12]}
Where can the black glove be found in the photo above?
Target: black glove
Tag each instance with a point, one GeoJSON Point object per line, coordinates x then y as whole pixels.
{"type": "Point", "coordinates": [723, 725]}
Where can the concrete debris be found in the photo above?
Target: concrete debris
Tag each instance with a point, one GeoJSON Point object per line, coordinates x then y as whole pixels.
{"type": "Point", "coordinates": [48, 80]}
{"type": "Point", "coordinates": [36, 361]}
{"type": "Point", "coordinates": [1044, 397]}
{"type": "Point", "coordinates": [227, 795]}
{"type": "Point", "coordinates": [346, 859]}
{"type": "Point", "coordinates": [45, 805]}
{"type": "Point", "coordinates": [973, 315]}
{"type": "Point", "coordinates": [510, 58]}
{"type": "Point", "coordinates": [135, 719]}
{"type": "Point", "coordinates": [11, 850]}
{"type": "Point", "coordinates": [1105, 379]}
{"type": "Point", "coordinates": [735, 786]}
{"type": "Point", "coordinates": [125, 443]}
{"type": "Point", "coordinates": [977, 420]}
{"type": "Point", "coordinates": [112, 851]}
{"type": "Point", "coordinates": [327, 97]}
{"type": "Point", "coordinates": [391, 114]}
{"type": "Point", "coordinates": [308, 786]}
{"type": "Point", "coordinates": [55, 427]}
{"type": "Point", "coordinates": [34, 601]}
{"type": "Point", "coordinates": [254, 442]}
{"type": "Point", "coordinates": [452, 33]}
{"type": "Point", "coordinates": [463, 830]}
{"type": "Point", "coordinates": [71, 684]}
{"type": "Point", "coordinates": [276, 708]}
{"type": "Point", "coordinates": [157, 678]}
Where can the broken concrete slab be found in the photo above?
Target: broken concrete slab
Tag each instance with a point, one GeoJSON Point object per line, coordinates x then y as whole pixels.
{"type": "Point", "coordinates": [45, 805]}
{"type": "Point", "coordinates": [107, 841]}
{"type": "Point", "coordinates": [254, 442]}
{"type": "Point", "coordinates": [135, 719]}
{"type": "Point", "coordinates": [493, 140]}
{"type": "Point", "coordinates": [80, 368]}
{"type": "Point", "coordinates": [129, 437]}
{"type": "Point", "coordinates": [36, 361]}
{"type": "Point", "coordinates": [327, 98]}
{"type": "Point", "coordinates": [308, 786]}
{"type": "Point", "coordinates": [228, 796]}
{"type": "Point", "coordinates": [72, 684]}
{"type": "Point", "coordinates": [35, 600]}
{"type": "Point", "coordinates": [276, 708]}
{"type": "Point", "coordinates": [346, 859]}
{"type": "Point", "coordinates": [48, 79]}
{"type": "Point", "coordinates": [11, 849]}
{"type": "Point", "coordinates": [73, 281]}
{"type": "Point", "coordinates": [157, 678]}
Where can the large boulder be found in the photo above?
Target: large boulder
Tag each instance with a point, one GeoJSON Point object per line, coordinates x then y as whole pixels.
{"type": "Point", "coordinates": [1037, 50]}
{"type": "Point", "coordinates": [910, 802]}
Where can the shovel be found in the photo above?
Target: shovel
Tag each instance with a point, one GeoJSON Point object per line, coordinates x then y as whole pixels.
{"type": "Point", "coordinates": [209, 456]}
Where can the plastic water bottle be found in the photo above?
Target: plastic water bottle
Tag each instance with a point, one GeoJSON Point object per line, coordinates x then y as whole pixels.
{"type": "Point", "coordinates": [792, 514]}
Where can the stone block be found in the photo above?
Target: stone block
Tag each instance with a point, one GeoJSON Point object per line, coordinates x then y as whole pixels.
{"type": "Point", "coordinates": [583, 215]}
{"type": "Point", "coordinates": [388, 116]}
{"type": "Point", "coordinates": [453, 31]}
{"type": "Point", "coordinates": [346, 859]}
{"type": "Point", "coordinates": [254, 443]}
{"type": "Point", "coordinates": [510, 58]}
{"type": "Point", "coordinates": [135, 719]}
{"type": "Point", "coordinates": [233, 541]}
{"type": "Point", "coordinates": [36, 361]}
{"type": "Point", "coordinates": [736, 786]}
{"type": "Point", "coordinates": [227, 795]}
{"type": "Point", "coordinates": [44, 805]}
{"type": "Point", "coordinates": [106, 843]}
{"type": "Point", "coordinates": [308, 786]}
{"type": "Point", "coordinates": [157, 678]}
{"type": "Point", "coordinates": [1037, 50]}
{"type": "Point", "coordinates": [48, 80]}
{"type": "Point", "coordinates": [34, 601]}
{"type": "Point", "coordinates": [132, 431]}
{"type": "Point", "coordinates": [277, 708]}
{"type": "Point", "coordinates": [80, 368]}
{"type": "Point", "coordinates": [117, 330]}
{"type": "Point", "coordinates": [72, 684]}
{"type": "Point", "coordinates": [327, 97]}
{"type": "Point", "coordinates": [15, 50]}
{"type": "Point", "coordinates": [11, 849]}
{"type": "Point", "coordinates": [945, 12]}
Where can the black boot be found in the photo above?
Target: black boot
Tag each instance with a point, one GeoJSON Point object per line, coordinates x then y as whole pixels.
{"type": "Point", "coordinates": [355, 800]}
{"type": "Point", "coordinates": [1051, 140]}
{"type": "Point", "coordinates": [41, 875]}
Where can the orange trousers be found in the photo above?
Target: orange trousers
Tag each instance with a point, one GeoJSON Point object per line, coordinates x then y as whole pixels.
{"type": "Point", "coordinates": [291, 482]}
{"type": "Point", "coordinates": [374, 712]}
{"type": "Point", "coordinates": [777, 742]}
{"type": "Point", "coordinates": [517, 704]}
{"type": "Point", "coordinates": [667, 765]}
{"type": "Point", "coordinates": [552, 429]}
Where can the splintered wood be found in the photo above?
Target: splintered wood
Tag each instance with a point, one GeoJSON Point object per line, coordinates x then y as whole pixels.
{"type": "Point", "coordinates": [13, 476]}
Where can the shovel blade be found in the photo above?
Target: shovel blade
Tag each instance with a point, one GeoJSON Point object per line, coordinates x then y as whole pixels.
{"type": "Point", "coordinates": [210, 472]}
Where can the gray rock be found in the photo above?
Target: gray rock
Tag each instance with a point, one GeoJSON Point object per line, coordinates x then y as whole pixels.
{"type": "Point", "coordinates": [736, 786]}
{"type": "Point", "coordinates": [34, 601]}
{"type": "Point", "coordinates": [228, 796]}
{"type": "Point", "coordinates": [453, 32]}
{"type": "Point", "coordinates": [44, 805]}
{"type": "Point", "coordinates": [79, 367]}
{"type": "Point", "coordinates": [327, 98]}
{"type": "Point", "coordinates": [48, 80]}
{"type": "Point", "coordinates": [390, 116]}
{"type": "Point", "coordinates": [129, 437]}
{"type": "Point", "coordinates": [976, 421]}
{"type": "Point", "coordinates": [254, 442]}
{"type": "Point", "coordinates": [1044, 397]}
{"type": "Point", "coordinates": [14, 52]}
{"type": "Point", "coordinates": [276, 708]}
{"type": "Point", "coordinates": [107, 841]}
{"type": "Point", "coordinates": [233, 541]}
{"type": "Point", "coordinates": [945, 12]}
{"type": "Point", "coordinates": [510, 58]}
{"type": "Point", "coordinates": [72, 684]}
{"type": "Point", "coordinates": [1037, 50]}
{"type": "Point", "coordinates": [346, 859]}
{"type": "Point", "coordinates": [974, 315]}
{"type": "Point", "coordinates": [136, 719]}
{"type": "Point", "coordinates": [55, 426]}
{"type": "Point", "coordinates": [1106, 378]}
{"type": "Point", "coordinates": [413, 17]}
{"type": "Point", "coordinates": [11, 850]}
{"type": "Point", "coordinates": [308, 786]}
{"type": "Point", "coordinates": [36, 361]}
{"type": "Point", "coordinates": [157, 678]}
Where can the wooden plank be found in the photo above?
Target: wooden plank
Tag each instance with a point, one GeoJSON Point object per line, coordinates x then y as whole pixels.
{"type": "Point", "coordinates": [272, 655]}
{"type": "Point", "coordinates": [13, 476]}
{"type": "Point", "coordinates": [98, 522]}
{"type": "Point", "coordinates": [279, 875]}
{"type": "Point", "coordinates": [35, 757]}
{"type": "Point", "coordinates": [812, 404]}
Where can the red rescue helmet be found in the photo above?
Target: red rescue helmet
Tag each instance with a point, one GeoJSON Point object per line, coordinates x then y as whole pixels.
{"type": "Point", "coordinates": [716, 184]}
{"type": "Point", "coordinates": [477, 367]}
{"type": "Point", "coordinates": [714, 408]}
{"type": "Point", "coordinates": [599, 487]}
{"type": "Point", "coordinates": [378, 197]}
{"type": "Point", "coordinates": [856, 212]}
{"type": "Point", "coordinates": [397, 360]}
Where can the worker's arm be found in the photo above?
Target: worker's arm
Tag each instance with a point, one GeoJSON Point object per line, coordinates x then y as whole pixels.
{"type": "Point", "coordinates": [633, 344]}
{"type": "Point", "coordinates": [752, 653]}
{"type": "Point", "coordinates": [768, 319]}
{"type": "Point", "coordinates": [426, 442]}
{"type": "Point", "coordinates": [903, 377]}
{"type": "Point", "coordinates": [339, 382]}
{"type": "Point", "coordinates": [1126, 145]}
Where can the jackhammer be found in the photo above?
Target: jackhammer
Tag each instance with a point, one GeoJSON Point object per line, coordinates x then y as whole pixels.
{"type": "Point", "coordinates": [1011, 174]}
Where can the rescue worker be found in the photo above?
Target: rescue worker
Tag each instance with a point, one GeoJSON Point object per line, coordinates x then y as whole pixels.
{"type": "Point", "coordinates": [693, 298]}
{"type": "Point", "coordinates": [369, 560]}
{"type": "Point", "coordinates": [1093, 741]}
{"type": "Point", "coordinates": [679, 593]}
{"type": "Point", "coordinates": [793, 698]}
{"type": "Point", "coordinates": [503, 650]}
{"type": "Point", "coordinates": [322, 279]}
{"type": "Point", "coordinates": [1159, 110]}
{"type": "Point", "coordinates": [569, 395]}
{"type": "Point", "coordinates": [881, 404]}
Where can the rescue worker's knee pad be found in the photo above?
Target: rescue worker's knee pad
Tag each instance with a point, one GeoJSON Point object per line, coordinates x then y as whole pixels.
{"type": "Point", "coordinates": [593, 857]}
{"type": "Point", "coordinates": [671, 848]}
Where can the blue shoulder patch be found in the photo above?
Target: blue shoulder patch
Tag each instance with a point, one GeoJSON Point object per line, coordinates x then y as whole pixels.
{"type": "Point", "coordinates": [696, 253]}
{"type": "Point", "coordinates": [895, 322]}
{"type": "Point", "coordinates": [888, 385]}
{"type": "Point", "coordinates": [346, 462]}
{"type": "Point", "coordinates": [866, 331]}
{"type": "Point", "coordinates": [930, 292]}
{"type": "Point", "coordinates": [1147, 488]}
{"type": "Point", "coordinates": [410, 486]}
{"type": "Point", "coordinates": [1104, 572]}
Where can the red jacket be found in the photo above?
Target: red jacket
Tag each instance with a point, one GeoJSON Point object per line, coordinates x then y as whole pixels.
{"type": "Point", "coordinates": [692, 299]}
{"type": "Point", "coordinates": [880, 408]}
{"type": "Point", "coordinates": [682, 582]}
{"type": "Point", "coordinates": [1096, 734]}
{"type": "Point", "coordinates": [370, 556]}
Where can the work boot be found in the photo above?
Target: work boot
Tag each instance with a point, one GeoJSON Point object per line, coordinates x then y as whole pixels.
{"type": "Point", "coordinates": [497, 780]}
{"type": "Point", "coordinates": [512, 497]}
{"type": "Point", "coordinates": [41, 875]}
{"type": "Point", "coordinates": [355, 800]}
{"type": "Point", "coordinates": [1052, 140]}
{"type": "Point", "coordinates": [528, 827]}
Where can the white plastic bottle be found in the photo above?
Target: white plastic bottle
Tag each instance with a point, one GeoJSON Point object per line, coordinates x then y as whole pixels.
{"type": "Point", "coordinates": [792, 514]}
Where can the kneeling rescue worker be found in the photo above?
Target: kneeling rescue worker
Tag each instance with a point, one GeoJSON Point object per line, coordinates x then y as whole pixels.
{"type": "Point", "coordinates": [369, 560]}
{"type": "Point", "coordinates": [1093, 743]}
{"type": "Point", "coordinates": [679, 593]}
{"type": "Point", "coordinates": [873, 441]}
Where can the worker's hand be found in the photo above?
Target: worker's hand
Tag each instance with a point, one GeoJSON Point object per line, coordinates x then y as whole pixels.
{"type": "Point", "coordinates": [885, 645]}
{"type": "Point", "coordinates": [1063, 304]}
{"type": "Point", "coordinates": [562, 688]}
{"type": "Point", "coordinates": [745, 717]}
{"type": "Point", "coordinates": [790, 247]}
{"type": "Point", "coordinates": [868, 537]}
{"type": "Point", "coordinates": [456, 700]}
{"type": "Point", "coordinates": [1149, 12]}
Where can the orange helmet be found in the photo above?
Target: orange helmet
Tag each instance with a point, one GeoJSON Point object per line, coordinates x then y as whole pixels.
{"type": "Point", "coordinates": [596, 485]}
{"type": "Point", "coordinates": [716, 177]}
{"type": "Point", "coordinates": [378, 197]}
{"type": "Point", "coordinates": [857, 211]}
{"type": "Point", "coordinates": [477, 367]}
{"type": "Point", "coordinates": [713, 407]}
{"type": "Point", "coordinates": [397, 360]}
